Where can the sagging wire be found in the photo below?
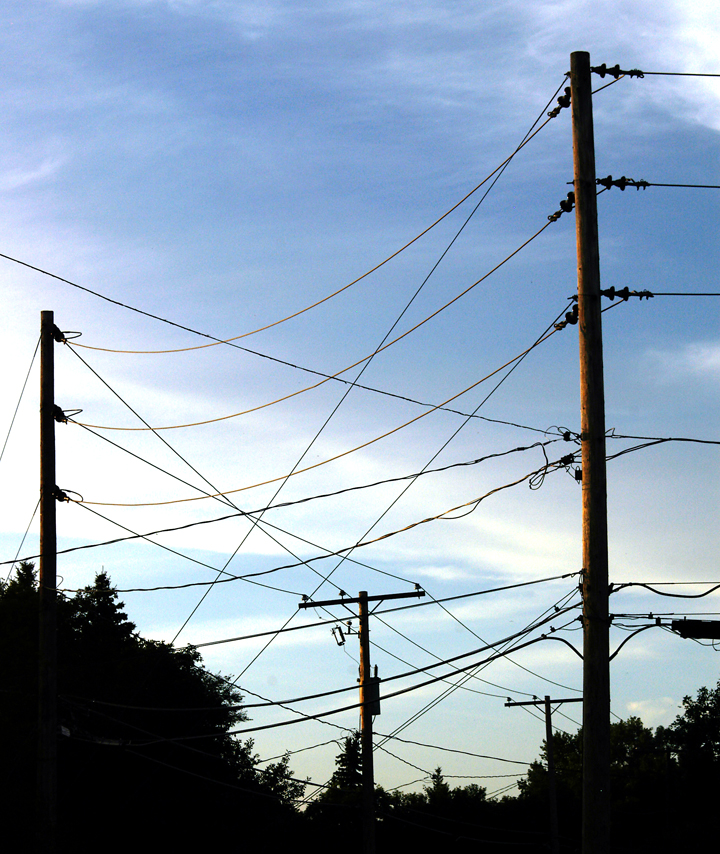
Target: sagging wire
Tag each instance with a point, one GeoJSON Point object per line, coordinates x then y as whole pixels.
{"type": "Point", "coordinates": [505, 642]}
{"type": "Point", "coordinates": [15, 559]}
{"type": "Point", "coordinates": [615, 588]}
{"type": "Point", "coordinates": [563, 102]}
{"type": "Point", "coordinates": [366, 359]}
{"type": "Point", "coordinates": [296, 471]}
{"type": "Point", "coordinates": [22, 392]}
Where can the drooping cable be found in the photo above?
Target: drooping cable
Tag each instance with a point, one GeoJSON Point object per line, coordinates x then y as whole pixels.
{"type": "Point", "coordinates": [22, 392]}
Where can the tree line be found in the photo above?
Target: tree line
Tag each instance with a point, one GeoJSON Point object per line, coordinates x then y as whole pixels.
{"type": "Point", "coordinates": [128, 771]}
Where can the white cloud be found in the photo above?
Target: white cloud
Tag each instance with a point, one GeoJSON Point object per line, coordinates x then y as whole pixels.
{"type": "Point", "coordinates": [697, 360]}
{"type": "Point", "coordinates": [22, 176]}
{"type": "Point", "coordinates": [658, 711]}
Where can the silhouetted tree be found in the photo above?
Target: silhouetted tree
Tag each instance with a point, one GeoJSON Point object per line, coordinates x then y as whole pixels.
{"type": "Point", "coordinates": [146, 743]}
{"type": "Point", "coordinates": [693, 741]}
{"type": "Point", "coordinates": [638, 784]}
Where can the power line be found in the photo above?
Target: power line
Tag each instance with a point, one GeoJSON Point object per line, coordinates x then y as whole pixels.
{"type": "Point", "coordinates": [364, 359]}
{"type": "Point", "coordinates": [296, 471]}
{"type": "Point", "coordinates": [437, 453]}
{"type": "Point", "coordinates": [526, 139]}
{"type": "Point", "coordinates": [677, 74]}
{"type": "Point", "coordinates": [387, 696]}
{"type": "Point", "coordinates": [351, 706]}
{"type": "Point", "coordinates": [473, 504]}
{"type": "Point", "coordinates": [15, 560]}
{"type": "Point", "coordinates": [22, 392]}
{"type": "Point", "coordinates": [448, 691]}
{"type": "Point", "coordinates": [295, 502]}
{"type": "Point", "coordinates": [386, 611]}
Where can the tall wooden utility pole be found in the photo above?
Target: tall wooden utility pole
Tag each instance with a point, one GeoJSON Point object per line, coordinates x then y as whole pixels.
{"type": "Point", "coordinates": [596, 626]}
{"type": "Point", "coordinates": [369, 702]}
{"type": "Point", "coordinates": [47, 652]}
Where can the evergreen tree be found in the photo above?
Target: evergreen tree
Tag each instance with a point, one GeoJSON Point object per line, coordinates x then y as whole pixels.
{"type": "Point", "coordinates": [146, 741]}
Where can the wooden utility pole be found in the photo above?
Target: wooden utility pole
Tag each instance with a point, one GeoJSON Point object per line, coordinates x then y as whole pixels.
{"type": "Point", "coordinates": [552, 788]}
{"type": "Point", "coordinates": [596, 626]}
{"type": "Point", "coordinates": [369, 702]}
{"type": "Point", "coordinates": [366, 734]}
{"type": "Point", "coordinates": [47, 651]}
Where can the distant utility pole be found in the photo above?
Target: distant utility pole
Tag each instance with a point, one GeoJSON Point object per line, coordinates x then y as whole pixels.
{"type": "Point", "coordinates": [596, 625]}
{"type": "Point", "coordinates": [552, 788]}
{"type": "Point", "coordinates": [47, 652]}
{"type": "Point", "coordinates": [369, 702]}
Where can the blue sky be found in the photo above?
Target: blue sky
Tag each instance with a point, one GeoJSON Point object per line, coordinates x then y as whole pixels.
{"type": "Point", "coordinates": [225, 165]}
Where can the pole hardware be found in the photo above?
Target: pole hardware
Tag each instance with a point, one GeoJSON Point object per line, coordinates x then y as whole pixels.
{"type": "Point", "coordinates": [596, 634]}
{"type": "Point", "coordinates": [47, 595]}
{"type": "Point", "coordinates": [552, 787]}
{"type": "Point", "coordinates": [369, 695]}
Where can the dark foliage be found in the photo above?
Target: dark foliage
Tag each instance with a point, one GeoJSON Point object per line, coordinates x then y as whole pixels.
{"type": "Point", "coordinates": [693, 742]}
{"type": "Point", "coordinates": [338, 806]}
{"type": "Point", "coordinates": [145, 753]}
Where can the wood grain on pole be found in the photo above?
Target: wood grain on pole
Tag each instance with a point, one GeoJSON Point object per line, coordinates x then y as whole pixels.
{"type": "Point", "coordinates": [596, 668]}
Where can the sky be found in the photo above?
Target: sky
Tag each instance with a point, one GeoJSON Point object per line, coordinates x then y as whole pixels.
{"type": "Point", "coordinates": [209, 170]}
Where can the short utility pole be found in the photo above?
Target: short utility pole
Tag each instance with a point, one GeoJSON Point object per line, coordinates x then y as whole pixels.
{"type": "Point", "coordinates": [47, 652]}
{"type": "Point", "coordinates": [595, 590]}
{"type": "Point", "coordinates": [369, 701]}
{"type": "Point", "coordinates": [552, 788]}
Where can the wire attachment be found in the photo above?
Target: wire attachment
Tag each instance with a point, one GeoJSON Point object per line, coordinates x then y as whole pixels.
{"type": "Point", "coordinates": [566, 205]}
{"type": "Point", "coordinates": [571, 318]}
{"type": "Point", "coordinates": [563, 102]}
{"type": "Point", "coordinates": [616, 72]}
{"type": "Point", "coordinates": [625, 293]}
{"type": "Point", "coordinates": [621, 183]}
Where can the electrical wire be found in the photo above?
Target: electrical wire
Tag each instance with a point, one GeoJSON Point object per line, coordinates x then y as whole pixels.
{"type": "Point", "coordinates": [218, 495]}
{"type": "Point", "coordinates": [455, 433]}
{"type": "Point", "coordinates": [249, 577]}
{"type": "Point", "coordinates": [499, 169]}
{"type": "Point", "coordinates": [398, 692]}
{"type": "Point", "coordinates": [376, 645]}
{"type": "Point", "coordinates": [451, 749]}
{"type": "Point", "coordinates": [15, 560]}
{"type": "Point", "coordinates": [659, 439]}
{"type": "Point", "coordinates": [386, 611]}
{"type": "Point", "coordinates": [473, 503]}
{"type": "Point", "coordinates": [617, 587]}
{"type": "Point", "coordinates": [285, 504]}
{"type": "Point", "coordinates": [300, 750]}
{"type": "Point", "coordinates": [17, 406]}
{"type": "Point", "coordinates": [677, 74]}
{"type": "Point", "coordinates": [365, 360]}
{"type": "Point", "coordinates": [335, 711]}
{"type": "Point", "coordinates": [430, 705]}
{"type": "Point", "coordinates": [447, 692]}
{"type": "Point", "coordinates": [297, 471]}
{"type": "Point", "coordinates": [432, 459]}
{"type": "Point", "coordinates": [517, 664]}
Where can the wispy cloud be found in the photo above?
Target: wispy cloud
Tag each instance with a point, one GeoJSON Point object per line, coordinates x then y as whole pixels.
{"type": "Point", "coordinates": [19, 177]}
{"type": "Point", "coordinates": [697, 360]}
